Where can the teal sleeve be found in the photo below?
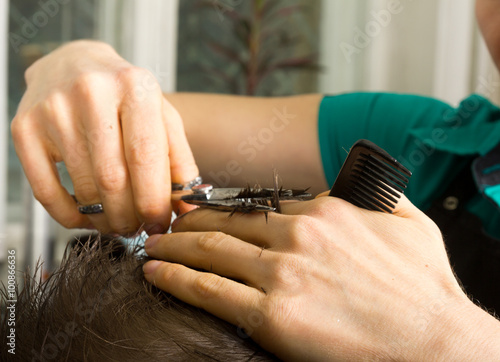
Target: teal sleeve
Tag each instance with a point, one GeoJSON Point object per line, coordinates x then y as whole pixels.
{"type": "Point", "coordinates": [431, 138]}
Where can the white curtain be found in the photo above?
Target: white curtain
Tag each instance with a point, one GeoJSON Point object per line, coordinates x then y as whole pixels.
{"type": "Point", "coordinates": [145, 33]}
{"type": "Point", "coordinates": [428, 47]}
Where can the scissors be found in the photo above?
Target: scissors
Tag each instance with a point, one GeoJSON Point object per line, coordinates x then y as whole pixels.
{"type": "Point", "coordinates": [239, 199]}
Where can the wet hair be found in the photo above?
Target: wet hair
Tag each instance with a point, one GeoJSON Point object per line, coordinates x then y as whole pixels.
{"type": "Point", "coordinates": [97, 306]}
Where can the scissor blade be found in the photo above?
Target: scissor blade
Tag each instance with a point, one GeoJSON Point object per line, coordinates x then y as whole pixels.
{"type": "Point", "coordinates": [232, 205]}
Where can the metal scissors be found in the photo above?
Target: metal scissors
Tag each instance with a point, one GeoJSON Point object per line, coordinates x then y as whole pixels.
{"type": "Point", "coordinates": [239, 199]}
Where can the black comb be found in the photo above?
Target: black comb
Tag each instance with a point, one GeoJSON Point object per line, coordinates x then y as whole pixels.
{"type": "Point", "coordinates": [370, 178]}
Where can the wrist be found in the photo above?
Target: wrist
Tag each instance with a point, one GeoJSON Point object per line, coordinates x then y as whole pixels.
{"type": "Point", "coordinates": [463, 332]}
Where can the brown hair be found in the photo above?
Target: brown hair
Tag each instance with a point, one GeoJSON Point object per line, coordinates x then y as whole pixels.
{"type": "Point", "coordinates": [98, 307]}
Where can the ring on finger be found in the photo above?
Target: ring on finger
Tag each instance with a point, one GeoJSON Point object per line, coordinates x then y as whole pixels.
{"type": "Point", "coordinates": [187, 185]}
{"type": "Point", "coordinates": [90, 209]}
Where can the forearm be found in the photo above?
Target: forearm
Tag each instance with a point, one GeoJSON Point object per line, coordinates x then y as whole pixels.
{"type": "Point", "coordinates": [238, 140]}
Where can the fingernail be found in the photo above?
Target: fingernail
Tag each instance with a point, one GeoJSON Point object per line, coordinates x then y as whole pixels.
{"type": "Point", "coordinates": [151, 266]}
{"type": "Point", "coordinates": [151, 241]}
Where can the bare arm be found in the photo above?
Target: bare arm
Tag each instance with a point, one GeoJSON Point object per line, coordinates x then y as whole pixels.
{"type": "Point", "coordinates": [238, 139]}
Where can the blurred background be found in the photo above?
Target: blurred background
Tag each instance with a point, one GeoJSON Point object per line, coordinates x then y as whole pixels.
{"type": "Point", "coordinates": [254, 47]}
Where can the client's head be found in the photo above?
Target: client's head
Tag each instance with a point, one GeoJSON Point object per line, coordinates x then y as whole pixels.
{"type": "Point", "coordinates": [98, 307]}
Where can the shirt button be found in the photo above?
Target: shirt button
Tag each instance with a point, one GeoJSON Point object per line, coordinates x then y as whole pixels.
{"type": "Point", "coordinates": [450, 203]}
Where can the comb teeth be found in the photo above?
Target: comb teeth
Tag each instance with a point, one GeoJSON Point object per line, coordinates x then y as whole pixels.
{"type": "Point", "coordinates": [370, 178]}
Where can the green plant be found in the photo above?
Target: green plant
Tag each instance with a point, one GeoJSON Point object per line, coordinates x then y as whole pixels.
{"type": "Point", "coordinates": [265, 38]}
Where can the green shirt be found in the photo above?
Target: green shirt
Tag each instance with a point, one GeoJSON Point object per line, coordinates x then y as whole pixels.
{"type": "Point", "coordinates": [431, 138]}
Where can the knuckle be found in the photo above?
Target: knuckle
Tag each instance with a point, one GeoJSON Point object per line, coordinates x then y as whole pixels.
{"type": "Point", "coordinates": [53, 105]}
{"type": "Point", "coordinates": [169, 271]}
{"type": "Point", "coordinates": [44, 193]}
{"type": "Point", "coordinates": [85, 188]}
{"type": "Point", "coordinates": [328, 207]}
{"type": "Point", "coordinates": [134, 75]}
{"type": "Point", "coordinates": [143, 152]}
{"type": "Point", "coordinates": [90, 86]}
{"type": "Point", "coordinates": [111, 178]}
{"type": "Point", "coordinates": [47, 196]}
{"type": "Point", "coordinates": [18, 127]}
{"type": "Point", "coordinates": [139, 80]}
{"type": "Point", "coordinates": [207, 285]}
{"type": "Point", "coordinates": [208, 242]}
{"type": "Point", "coordinates": [151, 208]}
{"type": "Point", "coordinates": [288, 271]}
{"type": "Point", "coordinates": [333, 210]}
{"type": "Point", "coordinates": [299, 230]}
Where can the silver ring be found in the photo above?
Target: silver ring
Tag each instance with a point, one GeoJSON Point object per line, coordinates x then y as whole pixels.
{"type": "Point", "coordinates": [90, 209]}
{"type": "Point", "coordinates": [187, 185]}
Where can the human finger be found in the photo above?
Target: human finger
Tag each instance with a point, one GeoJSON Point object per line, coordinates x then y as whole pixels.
{"type": "Point", "coordinates": [254, 227]}
{"type": "Point", "coordinates": [42, 175]}
{"type": "Point", "coordinates": [85, 189]}
{"type": "Point", "coordinates": [111, 184]}
{"type": "Point", "coordinates": [216, 252]}
{"type": "Point", "coordinates": [183, 166]}
{"type": "Point", "coordinates": [146, 148]}
{"type": "Point", "coordinates": [224, 298]}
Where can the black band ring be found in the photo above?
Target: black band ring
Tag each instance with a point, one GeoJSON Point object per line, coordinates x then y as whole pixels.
{"type": "Point", "coordinates": [90, 209]}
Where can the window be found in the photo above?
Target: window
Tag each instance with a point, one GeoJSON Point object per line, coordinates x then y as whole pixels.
{"type": "Point", "coordinates": [264, 48]}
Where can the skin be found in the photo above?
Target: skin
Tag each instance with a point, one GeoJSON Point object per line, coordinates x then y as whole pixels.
{"type": "Point", "coordinates": [326, 280]}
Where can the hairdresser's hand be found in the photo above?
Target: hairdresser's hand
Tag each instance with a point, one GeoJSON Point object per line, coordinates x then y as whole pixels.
{"type": "Point", "coordinates": [326, 281]}
{"type": "Point", "coordinates": [120, 140]}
